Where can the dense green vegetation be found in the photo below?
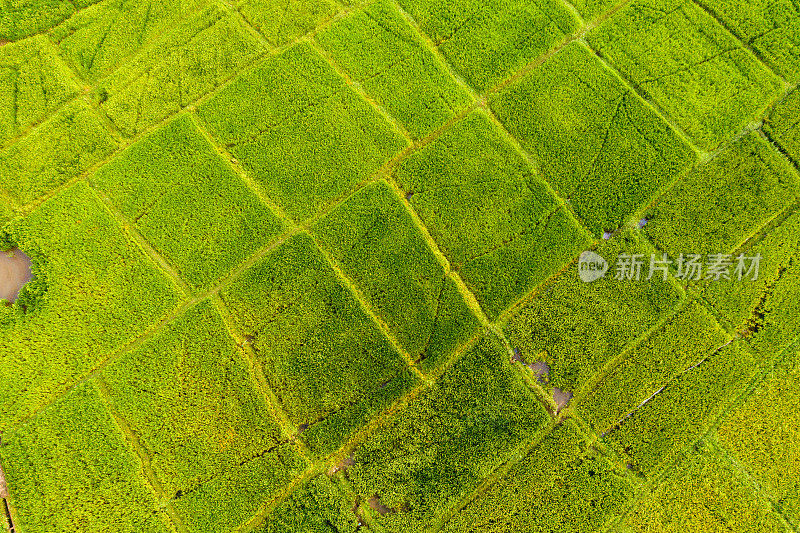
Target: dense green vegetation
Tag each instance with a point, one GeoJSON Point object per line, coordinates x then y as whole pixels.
{"type": "Point", "coordinates": [717, 205]}
{"type": "Point", "coordinates": [318, 266]}
{"type": "Point", "coordinates": [761, 310]}
{"type": "Point", "coordinates": [280, 22]}
{"type": "Point", "coordinates": [560, 326]}
{"type": "Point", "coordinates": [74, 471]}
{"type": "Point", "coordinates": [783, 126]}
{"type": "Point", "coordinates": [227, 431]}
{"type": "Point", "coordinates": [175, 71]}
{"type": "Point", "coordinates": [33, 83]}
{"type": "Point", "coordinates": [766, 441]}
{"type": "Point", "coordinates": [334, 141]}
{"type": "Point", "coordinates": [580, 123]}
{"type": "Point", "coordinates": [703, 493]}
{"type": "Point", "coordinates": [771, 29]}
{"type": "Point", "coordinates": [162, 185]}
{"type": "Point", "coordinates": [316, 507]}
{"type": "Point", "coordinates": [449, 438]}
{"type": "Point", "coordinates": [504, 252]}
{"type": "Point", "coordinates": [686, 339]}
{"type": "Point", "coordinates": [689, 65]}
{"type": "Point", "coordinates": [325, 359]}
{"type": "Point", "coordinates": [101, 293]}
{"type": "Point", "coordinates": [487, 41]}
{"type": "Point", "coordinates": [562, 483]}
{"type": "Point", "coordinates": [681, 411]}
{"type": "Point", "coordinates": [57, 151]}
{"type": "Point", "coordinates": [379, 49]}
{"type": "Point", "coordinates": [374, 239]}
{"type": "Point", "coordinates": [97, 39]}
{"type": "Point", "coordinates": [27, 17]}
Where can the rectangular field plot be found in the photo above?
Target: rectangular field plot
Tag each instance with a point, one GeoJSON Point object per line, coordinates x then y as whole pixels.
{"type": "Point", "coordinates": [191, 59]}
{"type": "Point", "coordinates": [689, 65]}
{"type": "Point", "coordinates": [317, 505]}
{"type": "Point", "coordinates": [684, 340]}
{"type": "Point", "coordinates": [189, 397]}
{"type": "Point", "coordinates": [486, 42]}
{"type": "Point", "coordinates": [702, 493]}
{"type": "Point", "coordinates": [560, 485]}
{"type": "Point", "coordinates": [60, 149]}
{"type": "Point", "coordinates": [763, 434]}
{"type": "Point", "coordinates": [98, 39]}
{"type": "Point", "coordinates": [783, 125]}
{"type": "Point", "coordinates": [326, 360]}
{"type": "Point", "coordinates": [70, 470]}
{"type": "Point", "coordinates": [447, 440]}
{"type": "Point", "coordinates": [187, 201]}
{"type": "Point", "coordinates": [576, 327]}
{"type": "Point", "coordinates": [677, 415]}
{"type": "Point", "coordinates": [493, 217]}
{"type": "Point", "coordinates": [596, 142]}
{"type": "Point", "coordinates": [771, 28]}
{"type": "Point", "coordinates": [373, 238]}
{"type": "Point", "coordinates": [33, 82]}
{"type": "Point", "coordinates": [299, 131]}
{"type": "Point", "coordinates": [715, 206]}
{"type": "Point", "coordinates": [280, 21]}
{"type": "Point", "coordinates": [764, 310]}
{"type": "Point", "coordinates": [100, 292]}
{"type": "Point", "coordinates": [381, 51]}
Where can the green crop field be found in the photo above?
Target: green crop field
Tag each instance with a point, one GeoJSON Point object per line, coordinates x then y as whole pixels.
{"type": "Point", "coordinates": [340, 266]}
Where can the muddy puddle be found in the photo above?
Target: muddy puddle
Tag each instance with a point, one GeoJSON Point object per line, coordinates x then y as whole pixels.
{"type": "Point", "coordinates": [561, 398]}
{"type": "Point", "coordinates": [541, 370]}
{"type": "Point", "coordinates": [15, 272]}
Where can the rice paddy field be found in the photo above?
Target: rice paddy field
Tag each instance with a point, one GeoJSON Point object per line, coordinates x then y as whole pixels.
{"type": "Point", "coordinates": [330, 266]}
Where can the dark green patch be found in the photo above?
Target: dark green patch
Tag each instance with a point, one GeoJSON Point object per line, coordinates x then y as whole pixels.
{"type": "Point", "coordinates": [448, 439]}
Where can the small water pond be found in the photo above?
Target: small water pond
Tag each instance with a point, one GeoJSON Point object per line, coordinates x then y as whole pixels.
{"type": "Point", "coordinates": [15, 272]}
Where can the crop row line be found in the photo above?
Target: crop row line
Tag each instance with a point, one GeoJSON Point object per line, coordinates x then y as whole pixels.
{"type": "Point", "coordinates": [477, 102]}
{"type": "Point", "coordinates": [214, 294]}
{"type": "Point", "coordinates": [367, 308]}
{"type": "Point", "coordinates": [80, 78]}
{"type": "Point", "coordinates": [358, 89]}
{"type": "Point", "coordinates": [133, 440]}
{"type": "Point", "coordinates": [162, 263]}
{"type": "Point", "coordinates": [757, 234]}
{"type": "Point", "coordinates": [394, 161]}
{"type": "Point", "coordinates": [498, 473]}
{"type": "Point", "coordinates": [256, 371]}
